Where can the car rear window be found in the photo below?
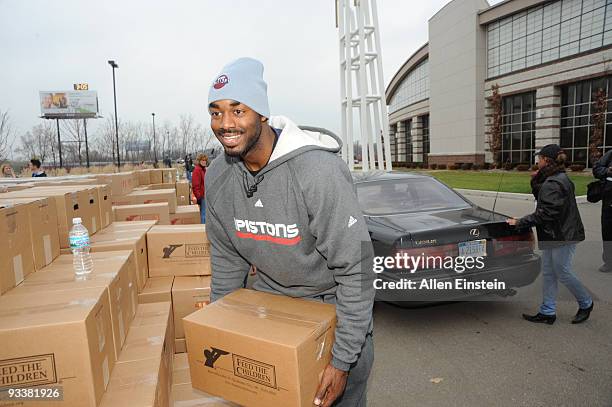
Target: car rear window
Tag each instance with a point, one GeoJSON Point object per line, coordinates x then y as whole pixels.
{"type": "Point", "coordinates": [406, 195]}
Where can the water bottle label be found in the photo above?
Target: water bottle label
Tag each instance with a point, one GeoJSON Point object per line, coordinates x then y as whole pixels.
{"type": "Point", "coordinates": [79, 242]}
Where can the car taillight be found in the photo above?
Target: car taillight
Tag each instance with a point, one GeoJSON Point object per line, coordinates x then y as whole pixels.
{"type": "Point", "coordinates": [514, 244]}
{"type": "Point", "coordinates": [443, 251]}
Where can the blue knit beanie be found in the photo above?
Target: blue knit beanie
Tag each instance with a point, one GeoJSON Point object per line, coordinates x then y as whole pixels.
{"type": "Point", "coordinates": [242, 81]}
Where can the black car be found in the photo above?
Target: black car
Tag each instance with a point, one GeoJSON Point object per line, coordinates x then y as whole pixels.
{"type": "Point", "coordinates": [415, 216]}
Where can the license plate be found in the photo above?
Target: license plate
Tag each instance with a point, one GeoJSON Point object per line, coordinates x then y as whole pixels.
{"type": "Point", "coordinates": [473, 248]}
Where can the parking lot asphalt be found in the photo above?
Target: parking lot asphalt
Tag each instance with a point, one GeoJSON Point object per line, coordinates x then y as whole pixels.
{"type": "Point", "coordinates": [484, 354]}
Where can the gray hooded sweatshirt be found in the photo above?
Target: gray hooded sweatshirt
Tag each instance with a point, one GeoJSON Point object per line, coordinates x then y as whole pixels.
{"type": "Point", "coordinates": [301, 227]}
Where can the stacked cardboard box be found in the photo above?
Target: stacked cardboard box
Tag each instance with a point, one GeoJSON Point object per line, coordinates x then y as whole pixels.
{"type": "Point", "coordinates": [17, 254]}
{"type": "Point", "coordinates": [186, 215]}
{"type": "Point", "coordinates": [44, 237]}
{"type": "Point", "coordinates": [148, 196]}
{"type": "Point", "coordinates": [183, 192]}
{"type": "Point", "coordinates": [189, 294]}
{"type": "Point", "coordinates": [178, 250]}
{"type": "Point", "coordinates": [152, 211]}
{"type": "Point", "coordinates": [260, 349]}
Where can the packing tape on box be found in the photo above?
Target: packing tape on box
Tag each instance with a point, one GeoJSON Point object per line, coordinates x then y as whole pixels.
{"type": "Point", "coordinates": [149, 340]}
{"type": "Point", "coordinates": [259, 311]}
{"type": "Point", "coordinates": [35, 309]}
{"type": "Point", "coordinates": [69, 279]}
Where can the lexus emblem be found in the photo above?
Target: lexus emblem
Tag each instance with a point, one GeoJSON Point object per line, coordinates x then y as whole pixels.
{"type": "Point", "coordinates": [474, 232]}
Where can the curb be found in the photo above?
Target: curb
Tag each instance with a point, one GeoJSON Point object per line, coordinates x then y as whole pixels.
{"type": "Point", "coordinates": [508, 195]}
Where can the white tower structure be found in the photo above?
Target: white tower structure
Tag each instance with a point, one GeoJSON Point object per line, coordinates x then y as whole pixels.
{"type": "Point", "coordinates": [361, 85]}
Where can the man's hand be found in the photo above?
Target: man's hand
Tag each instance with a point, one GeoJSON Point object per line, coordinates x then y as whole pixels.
{"type": "Point", "coordinates": [331, 387]}
{"type": "Point", "coordinates": [511, 221]}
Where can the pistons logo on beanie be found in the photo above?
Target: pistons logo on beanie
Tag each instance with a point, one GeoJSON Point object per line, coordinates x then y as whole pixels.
{"type": "Point", "coordinates": [221, 81]}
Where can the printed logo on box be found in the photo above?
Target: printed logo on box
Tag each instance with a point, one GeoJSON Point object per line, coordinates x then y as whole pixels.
{"type": "Point", "coordinates": [197, 250]}
{"type": "Point", "coordinates": [28, 371]}
{"type": "Point", "coordinates": [254, 371]}
{"type": "Point", "coordinates": [168, 250]}
{"type": "Point", "coordinates": [212, 355]}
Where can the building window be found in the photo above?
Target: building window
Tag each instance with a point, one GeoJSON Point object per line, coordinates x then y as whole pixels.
{"type": "Point", "coordinates": [577, 104]}
{"type": "Point", "coordinates": [546, 33]}
{"type": "Point", "coordinates": [414, 88]}
{"type": "Point", "coordinates": [425, 124]}
{"type": "Point", "coordinates": [518, 128]}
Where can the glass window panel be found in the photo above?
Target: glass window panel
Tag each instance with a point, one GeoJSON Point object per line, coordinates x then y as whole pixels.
{"type": "Point", "coordinates": [608, 21]}
{"type": "Point", "coordinates": [591, 42]}
{"type": "Point", "coordinates": [493, 38]}
{"type": "Point", "coordinates": [581, 120]}
{"type": "Point", "coordinates": [569, 49]}
{"type": "Point", "coordinates": [534, 20]}
{"type": "Point", "coordinates": [566, 137]}
{"type": "Point", "coordinates": [505, 53]}
{"type": "Point", "coordinates": [516, 108]}
{"type": "Point", "coordinates": [570, 9]}
{"type": "Point", "coordinates": [505, 31]}
{"type": "Point", "coordinates": [506, 142]}
{"type": "Point", "coordinates": [516, 156]}
{"type": "Point", "coordinates": [581, 136]}
{"type": "Point", "coordinates": [588, 5]}
{"type": "Point", "coordinates": [519, 48]}
{"type": "Point", "coordinates": [550, 37]}
{"type": "Point", "coordinates": [519, 25]}
{"type": "Point", "coordinates": [532, 60]}
{"type": "Point", "coordinates": [504, 68]}
{"type": "Point", "coordinates": [608, 135]}
{"type": "Point", "coordinates": [580, 156]}
{"type": "Point", "coordinates": [552, 14]}
{"type": "Point", "coordinates": [607, 37]}
{"type": "Point", "coordinates": [526, 157]}
{"type": "Point", "coordinates": [493, 57]}
{"type": "Point", "coordinates": [592, 23]}
{"type": "Point", "coordinates": [567, 122]}
{"type": "Point", "coordinates": [550, 55]}
{"type": "Point", "coordinates": [570, 30]}
{"type": "Point", "coordinates": [518, 64]}
{"type": "Point", "coordinates": [527, 100]}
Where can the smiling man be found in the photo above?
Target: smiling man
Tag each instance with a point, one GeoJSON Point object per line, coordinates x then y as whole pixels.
{"type": "Point", "coordinates": [280, 199]}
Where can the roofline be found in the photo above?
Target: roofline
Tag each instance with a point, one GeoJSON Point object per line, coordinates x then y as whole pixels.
{"type": "Point", "coordinates": [405, 69]}
{"type": "Point", "coordinates": [506, 8]}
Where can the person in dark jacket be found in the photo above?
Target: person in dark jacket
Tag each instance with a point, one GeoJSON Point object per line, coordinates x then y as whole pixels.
{"type": "Point", "coordinates": [602, 170]}
{"type": "Point", "coordinates": [35, 165]}
{"type": "Point", "coordinates": [197, 183]}
{"type": "Point", "coordinates": [188, 167]}
{"type": "Point", "coordinates": [559, 227]}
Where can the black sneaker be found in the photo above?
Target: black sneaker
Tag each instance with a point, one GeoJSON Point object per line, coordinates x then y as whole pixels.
{"type": "Point", "coordinates": [583, 314]}
{"type": "Point", "coordinates": [541, 318]}
{"type": "Point", "coordinates": [605, 269]}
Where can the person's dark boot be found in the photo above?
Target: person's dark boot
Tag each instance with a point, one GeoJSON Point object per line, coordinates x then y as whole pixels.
{"type": "Point", "coordinates": [582, 314]}
{"type": "Point", "coordinates": [541, 318]}
{"type": "Point", "coordinates": [605, 269]}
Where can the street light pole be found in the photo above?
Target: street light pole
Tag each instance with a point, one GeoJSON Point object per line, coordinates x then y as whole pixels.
{"type": "Point", "coordinates": [154, 143]}
{"type": "Point", "coordinates": [114, 65]}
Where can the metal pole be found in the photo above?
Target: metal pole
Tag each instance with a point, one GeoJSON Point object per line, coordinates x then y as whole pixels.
{"type": "Point", "coordinates": [154, 143]}
{"type": "Point", "coordinates": [116, 123]}
{"type": "Point", "coordinates": [59, 143]}
{"type": "Point", "coordinates": [86, 143]}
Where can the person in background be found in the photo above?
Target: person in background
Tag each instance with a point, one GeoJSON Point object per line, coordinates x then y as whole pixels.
{"type": "Point", "coordinates": [559, 226]}
{"type": "Point", "coordinates": [6, 171]}
{"type": "Point", "coordinates": [188, 167]}
{"type": "Point", "coordinates": [602, 170]}
{"type": "Point", "coordinates": [197, 183]}
{"type": "Point", "coordinates": [34, 166]}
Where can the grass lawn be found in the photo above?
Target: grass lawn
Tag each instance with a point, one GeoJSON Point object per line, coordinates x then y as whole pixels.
{"type": "Point", "coordinates": [489, 180]}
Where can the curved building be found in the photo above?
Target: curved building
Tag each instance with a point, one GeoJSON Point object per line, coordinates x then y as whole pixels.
{"type": "Point", "coordinates": [549, 59]}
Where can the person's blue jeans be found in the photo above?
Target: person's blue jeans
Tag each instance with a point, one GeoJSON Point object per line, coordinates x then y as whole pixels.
{"type": "Point", "coordinates": [557, 267]}
{"type": "Point", "coordinates": [188, 175]}
{"type": "Point", "coordinates": [202, 203]}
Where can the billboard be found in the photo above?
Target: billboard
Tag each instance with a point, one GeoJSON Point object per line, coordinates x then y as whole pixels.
{"type": "Point", "coordinates": [69, 104]}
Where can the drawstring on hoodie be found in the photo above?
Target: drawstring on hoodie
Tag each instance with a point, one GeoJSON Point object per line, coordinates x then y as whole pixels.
{"type": "Point", "coordinates": [251, 189]}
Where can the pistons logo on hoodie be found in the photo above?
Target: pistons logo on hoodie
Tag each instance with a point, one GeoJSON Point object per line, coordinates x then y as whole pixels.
{"type": "Point", "coordinates": [278, 233]}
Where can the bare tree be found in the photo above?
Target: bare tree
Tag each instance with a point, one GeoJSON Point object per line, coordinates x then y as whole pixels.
{"type": "Point", "coordinates": [75, 130]}
{"type": "Point", "coordinates": [104, 142]}
{"type": "Point", "coordinates": [6, 134]}
{"type": "Point", "coordinates": [39, 142]}
{"type": "Point", "coordinates": [187, 128]}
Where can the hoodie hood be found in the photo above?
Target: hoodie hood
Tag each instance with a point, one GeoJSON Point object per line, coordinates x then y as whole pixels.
{"type": "Point", "coordinates": [294, 141]}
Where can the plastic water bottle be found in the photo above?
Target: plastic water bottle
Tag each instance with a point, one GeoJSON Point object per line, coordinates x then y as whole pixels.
{"type": "Point", "coordinates": [79, 244]}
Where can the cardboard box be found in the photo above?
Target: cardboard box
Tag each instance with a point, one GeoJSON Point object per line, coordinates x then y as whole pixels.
{"type": "Point", "coordinates": [59, 339]}
{"type": "Point", "coordinates": [69, 205]}
{"type": "Point", "coordinates": [15, 187]}
{"type": "Point", "coordinates": [183, 192]}
{"type": "Point", "coordinates": [138, 384]}
{"type": "Point", "coordinates": [185, 395]}
{"type": "Point", "coordinates": [155, 175]}
{"type": "Point", "coordinates": [16, 255]}
{"type": "Point", "coordinates": [154, 313]}
{"type": "Point", "coordinates": [136, 225]}
{"type": "Point", "coordinates": [189, 294]}
{"type": "Point", "coordinates": [180, 345]}
{"type": "Point", "coordinates": [147, 341]}
{"type": "Point", "coordinates": [90, 205]}
{"type": "Point", "coordinates": [178, 250]}
{"type": "Point", "coordinates": [144, 177]}
{"type": "Point", "coordinates": [169, 175]}
{"type": "Point", "coordinates": [180, 374]}
{"type": "Point", "coordinates": [154, 211]}
{"type": "Point", "coordinates": [160, 186]}
{"type": "Point", "coordinates": [157, 289]}
{"type": "Point", "coordinates": [134, 240]}
{"type": "Point", "coordinates": [111, 272]}
{"type": "Point", "coordinates": [106, 205]}
{"type": "Point", "coordinates": [121, 183]}
{"type": "Point", "coordinates": [146, 197]}
{"type": "Point", "coordinates": [260, 349]}
{"type": "Point", "coordinates": [43, 228]}
{"type": "Point", "coordinates": [186, 215]}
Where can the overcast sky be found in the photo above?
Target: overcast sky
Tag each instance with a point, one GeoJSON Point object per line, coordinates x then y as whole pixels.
{"type": "Point", "coordinates": [169, 52]}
